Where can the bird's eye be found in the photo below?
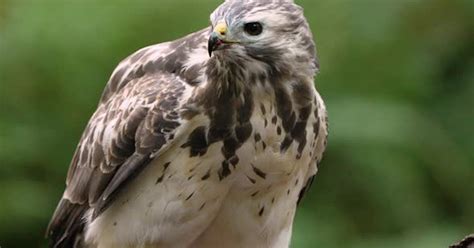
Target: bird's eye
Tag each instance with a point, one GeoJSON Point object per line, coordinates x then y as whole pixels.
{"type": "Point", "coordinates": [253, 28]}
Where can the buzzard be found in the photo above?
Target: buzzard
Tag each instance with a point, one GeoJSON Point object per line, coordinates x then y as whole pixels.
{"type": "Point", "coordinates": [206, 141]}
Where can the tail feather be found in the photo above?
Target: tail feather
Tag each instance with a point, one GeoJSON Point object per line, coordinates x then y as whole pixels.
{"type": "Point", "coordinates": [67, 225]}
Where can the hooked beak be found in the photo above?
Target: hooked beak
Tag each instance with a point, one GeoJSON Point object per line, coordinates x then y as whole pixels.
{"type": "Point", "coordinates": [214, 43]}
{"type": "Point", "coordinates": [218, 37]}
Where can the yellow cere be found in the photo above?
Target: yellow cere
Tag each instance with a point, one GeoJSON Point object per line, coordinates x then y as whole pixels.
{"type": "Point", "coordinates": [221, 28]}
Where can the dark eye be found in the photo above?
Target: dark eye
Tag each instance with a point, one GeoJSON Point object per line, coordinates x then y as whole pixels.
{"type": "Point", "coordinates": [253, 28]}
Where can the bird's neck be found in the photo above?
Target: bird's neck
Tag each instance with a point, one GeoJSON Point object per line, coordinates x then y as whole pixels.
{"type": "Point", "coordinates": [226, 78]}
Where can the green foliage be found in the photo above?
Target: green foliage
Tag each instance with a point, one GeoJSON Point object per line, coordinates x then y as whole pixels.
{"type": "Point", "coordinates": [397, 75]}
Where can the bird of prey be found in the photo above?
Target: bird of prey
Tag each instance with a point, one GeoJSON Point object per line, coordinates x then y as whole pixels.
{"type": "Point", "coordinates": [206, 141]}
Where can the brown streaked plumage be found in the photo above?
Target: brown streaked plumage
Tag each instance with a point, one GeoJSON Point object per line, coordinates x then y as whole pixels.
{"type": "Point", "coordinates": [187, 150]}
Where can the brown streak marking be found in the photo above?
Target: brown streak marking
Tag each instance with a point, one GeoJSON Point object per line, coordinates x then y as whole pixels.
{"type": "Point", "coordinates": [189, 197]}
{"type": "Point", "coordinates": [260, 213]}
{"type": "Point", "coordinates": [259, 173]}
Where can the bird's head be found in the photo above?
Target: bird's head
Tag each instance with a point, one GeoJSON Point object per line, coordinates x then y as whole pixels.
{"type": "Point", "coordinates": [274, 33]}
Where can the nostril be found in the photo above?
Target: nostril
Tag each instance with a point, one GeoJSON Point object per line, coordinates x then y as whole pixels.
{"type": "Point", "coordinates": [221, 29]}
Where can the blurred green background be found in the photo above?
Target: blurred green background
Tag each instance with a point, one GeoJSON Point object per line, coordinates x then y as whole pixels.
{"type": "Point", "coordinates": [397, 76]}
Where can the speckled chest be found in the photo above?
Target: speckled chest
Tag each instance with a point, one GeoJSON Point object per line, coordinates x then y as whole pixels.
{"type": "Point", "coordinates": [250, 161]}
{"type": "Point", "coordinates": [257, 134]}
{"type": "Point", "coordinates": [274, 152]}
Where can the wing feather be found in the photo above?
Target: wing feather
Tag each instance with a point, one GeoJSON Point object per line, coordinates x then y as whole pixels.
{"type": "Point", "coordinates": [124, 132]}
{"type": "Point", "coordinates": [137, 118]}
{"type": "Point", "coordinates": [118, 142]}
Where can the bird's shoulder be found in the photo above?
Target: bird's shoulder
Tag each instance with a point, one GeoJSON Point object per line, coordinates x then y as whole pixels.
{"type": "Point", "coordinates": [184, 57]}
